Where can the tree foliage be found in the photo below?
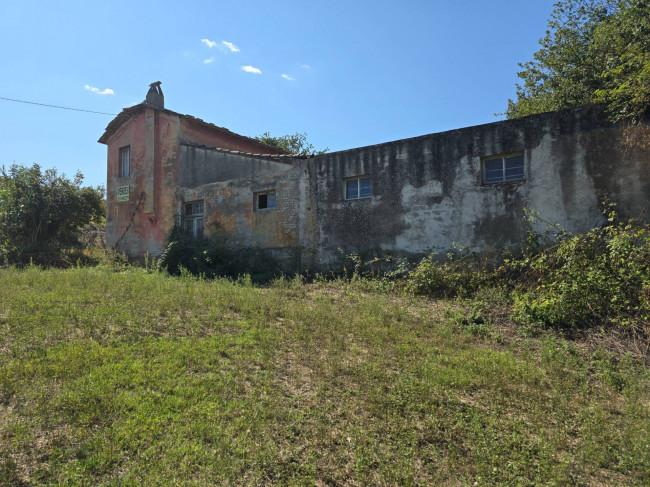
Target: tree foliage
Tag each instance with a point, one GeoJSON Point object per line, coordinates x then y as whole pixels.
{"type": "Point", "coordinates": [41, 211]}
{"type": "Point", "coordinates": [293, 144]}
{"type": "Point", "coordinates": [593, 51]}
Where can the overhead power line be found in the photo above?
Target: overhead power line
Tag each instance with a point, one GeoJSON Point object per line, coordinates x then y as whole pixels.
{"type": "Point", "coordinates": [57, 106]}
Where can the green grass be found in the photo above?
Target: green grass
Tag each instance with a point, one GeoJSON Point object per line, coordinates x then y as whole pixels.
{"type": "Point", "coordinates": [134, 378]}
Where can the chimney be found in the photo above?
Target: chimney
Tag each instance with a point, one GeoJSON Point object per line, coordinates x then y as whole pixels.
{"type": "Point", "coordinates": [155, 96]}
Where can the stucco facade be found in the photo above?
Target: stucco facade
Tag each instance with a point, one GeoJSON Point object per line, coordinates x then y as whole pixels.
{"type": "Point", "coordinates": [155, 138]}
{"type": "Point", "coordinates": [409, 196]}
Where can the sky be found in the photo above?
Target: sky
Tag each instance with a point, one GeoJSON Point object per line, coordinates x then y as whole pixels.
{"type": "Point", "coordinates": [348, 73]}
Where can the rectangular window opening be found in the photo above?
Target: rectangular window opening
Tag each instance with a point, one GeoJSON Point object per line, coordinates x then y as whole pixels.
{"type": "Point", "coordinates": [193, 222]}
{"type": "Point", "coordinates": [265, 201]}
{"type": "Point", "coordinates": [503, 168]}
{"type": "Point", "coordinates": [357, 188]}
{"type": "Point", "coordinates": [124, 165]}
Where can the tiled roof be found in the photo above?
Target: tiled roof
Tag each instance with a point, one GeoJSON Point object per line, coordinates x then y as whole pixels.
{"type": "Point", "coordinates": [134, 111]}
{"type": "Point", "coordinates": [123, 116]}
{"type": "Point", "coordinates": [275, 157]}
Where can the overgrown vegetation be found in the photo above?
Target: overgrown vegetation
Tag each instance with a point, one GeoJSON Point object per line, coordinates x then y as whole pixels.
{"type": "Point", "coordinates": [215, 256]}
{"type": "Point", "coordinates": [596, 280]}
{"type": "Point", "coordinates": [459, 273]}
{"type": "Point", "coordinates": [42, 212]}
{"type": "Point", "coordinates": [133, 377]}
{"type": "Point", "coordinates": [599, 279]}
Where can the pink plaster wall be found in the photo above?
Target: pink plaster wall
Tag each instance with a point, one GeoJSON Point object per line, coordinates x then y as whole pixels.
{"type": "Point", "coordinates": [154, 138]}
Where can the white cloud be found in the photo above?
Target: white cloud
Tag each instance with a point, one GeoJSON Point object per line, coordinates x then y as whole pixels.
{"type": "Point", "coordinates": [209, 43]}
{"type": "Point", "coordinates": [288, 78]}
{"type": "Point", "coordinates": [97, 91]}
{"type": "Point", "coordinates": [251, 69]}
{"type": "Point", "coordinates": [305, 66]}
{"type": "Point", "coordinates": [230, 46]}
{"type": "Point", "coordinates": [208, 61]}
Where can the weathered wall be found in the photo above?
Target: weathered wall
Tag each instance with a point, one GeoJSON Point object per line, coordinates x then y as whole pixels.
{"type": "Point", "coordinates": [153, 140]}
{"type": "Point", "coordinates": [200, 165]}
{"type": "Point", "coordinates": [427, 192]}
{"type": "Point", "coordinates": [232, 182]}
{"type": "Point", "coordinates": [132, 134]}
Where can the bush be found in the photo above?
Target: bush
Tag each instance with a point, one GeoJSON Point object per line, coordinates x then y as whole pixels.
{"type": "Point", "coordinates": [42, 212]}
{"type": "Point", "coordinates": [461, 274]}
{"type": "Point", "coordinates": [597, 278]}
{"type": "Point", "coordinates": [214, 256]}
{"type": "Point", "coordinates": [600, 278]}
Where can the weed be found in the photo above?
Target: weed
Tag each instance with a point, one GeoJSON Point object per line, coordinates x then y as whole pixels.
{"type": "Point", "coordinates": [215, 256]}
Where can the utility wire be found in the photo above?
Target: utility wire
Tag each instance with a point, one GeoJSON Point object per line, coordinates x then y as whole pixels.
{"type": "Point", "coordinates": [56, 106]}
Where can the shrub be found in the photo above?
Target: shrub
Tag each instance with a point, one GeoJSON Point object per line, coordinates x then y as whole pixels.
{"type": "Point", "coordinates": [42, 212]}
{"type": "Point", "coordinates": [215, 256]}
{"type": "Point", "coordinates": [596, 278]}
{"type": "Point", "coordinates": [599, 278]}
{"type": "Point", "coordinates": [461, 274]}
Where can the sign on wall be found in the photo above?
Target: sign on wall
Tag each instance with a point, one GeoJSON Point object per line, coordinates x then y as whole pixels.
{"type": "Point", "coordinates": [123, 193]}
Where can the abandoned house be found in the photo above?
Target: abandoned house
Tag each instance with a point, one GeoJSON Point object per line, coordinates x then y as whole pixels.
{"type": "Point", "coordinates": [468, 186]}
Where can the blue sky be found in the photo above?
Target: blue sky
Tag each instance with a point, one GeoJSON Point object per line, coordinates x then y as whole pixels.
{"type": "Point", "coordinates": [349, 73]}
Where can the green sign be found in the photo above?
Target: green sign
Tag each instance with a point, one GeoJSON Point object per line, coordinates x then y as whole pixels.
{"type": "Point", "coordinates": [122, 193]}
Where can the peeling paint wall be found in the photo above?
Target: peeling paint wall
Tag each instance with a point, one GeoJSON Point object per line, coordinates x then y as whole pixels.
{"type": "Point", "coordinates": [428, 192]}
{"type": "Point", "coordinates": [229, 196]}
{"type": "Point", "coordinates": [143, 223]}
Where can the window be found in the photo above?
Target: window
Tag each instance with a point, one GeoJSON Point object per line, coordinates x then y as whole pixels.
{"type": "Point", "coordinates": [124, 165]}
{"type": "Point", "coordinates": [193, 222]}
{"type": "Point", "coordinates": [504, 168]}
{"type": "Point", "coordinates": [357, 188]}
{"type": "Point", "coordinates": [265, 201]}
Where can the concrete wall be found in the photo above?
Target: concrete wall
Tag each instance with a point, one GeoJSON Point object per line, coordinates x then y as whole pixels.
{"type": "Point", "coordinates": [428, 192]}
{"type": "Point", "coordinates": [229, 196]}
{"type": "Point", "coordinates": [200, 165]}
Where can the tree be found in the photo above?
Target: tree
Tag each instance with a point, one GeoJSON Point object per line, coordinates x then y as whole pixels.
{"type": "Point", "coordinates": [593, 51]}
{"type": "Point", "coordinates": [41, 211]}
{"type": "Point", "coordinates": [624, 46]}
{"type": "Point", "coordinates": [293, 144]}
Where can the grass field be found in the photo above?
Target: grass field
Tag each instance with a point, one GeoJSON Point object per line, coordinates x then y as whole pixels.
{"type": "Point", "coordinates": [136, 378]}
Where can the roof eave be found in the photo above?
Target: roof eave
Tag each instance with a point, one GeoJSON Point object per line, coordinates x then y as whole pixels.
{"type": "Point", "coordinates": [124, 116]}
